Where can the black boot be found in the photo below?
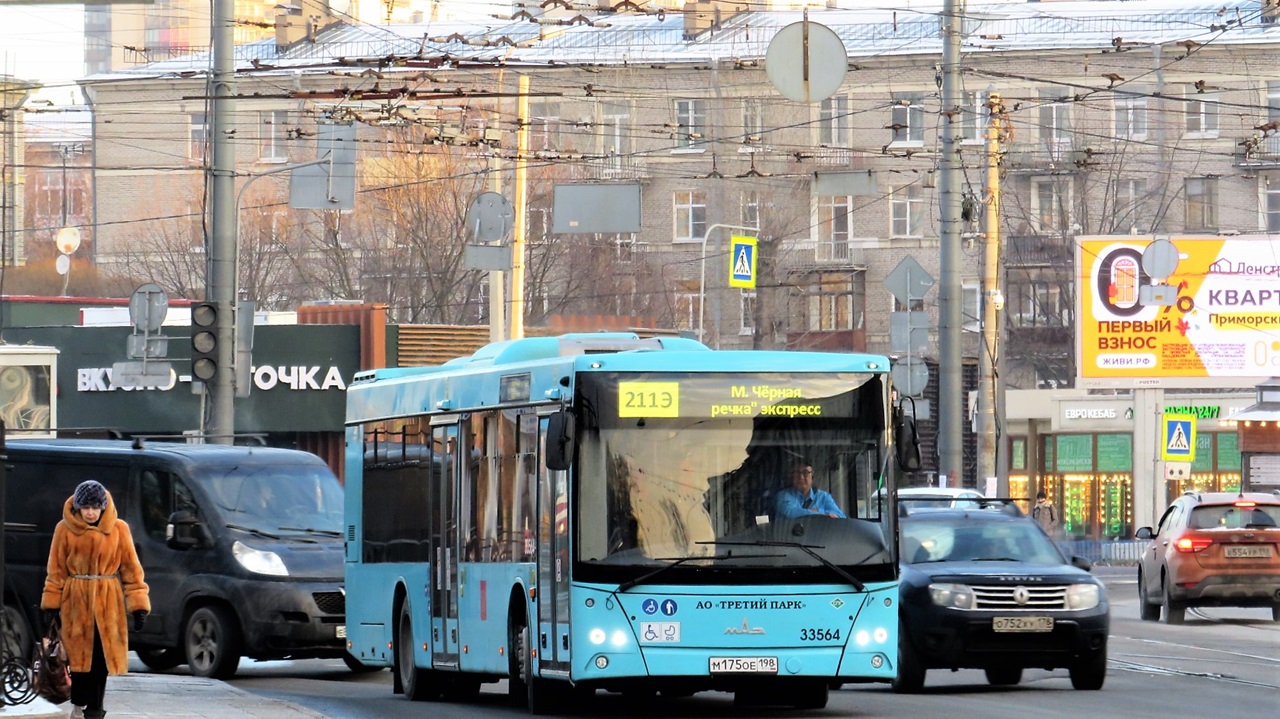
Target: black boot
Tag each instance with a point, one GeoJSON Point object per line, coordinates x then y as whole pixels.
{"type": "Point", "coordinates": [95, 714]}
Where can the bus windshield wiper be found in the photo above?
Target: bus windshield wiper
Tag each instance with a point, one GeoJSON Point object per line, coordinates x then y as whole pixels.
{"type": "Point", "coordinates": [251, 530]}
{"type": "Point", "coordinates": [807, 549]}
{"type": "Point", "coordinates": [313, 530]}
{"type": "Point", "coordinates": [677, 561]}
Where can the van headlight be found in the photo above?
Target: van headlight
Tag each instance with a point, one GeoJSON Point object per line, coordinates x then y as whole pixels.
{"type": "Point", "coordinates": [1083, 596]}
{"type": "Point", "coordinates": [259, 561]}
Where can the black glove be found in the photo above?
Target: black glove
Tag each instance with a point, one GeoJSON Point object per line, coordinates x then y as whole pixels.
{"type": "Point", "coordinates": [139, 620]}
{"type": "Point", "coordinates": [52, 616]}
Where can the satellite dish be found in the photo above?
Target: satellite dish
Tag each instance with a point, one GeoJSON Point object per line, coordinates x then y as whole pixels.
{"type": "Point", "coordinates": [62, 264]}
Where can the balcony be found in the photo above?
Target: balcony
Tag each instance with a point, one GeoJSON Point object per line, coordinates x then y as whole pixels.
{"type": "Point", "coordinates": [620, 167]}
{"type": "Point", "coordinates": [1043, 250]}
{"type": "Point", "coordinates": [1261, 152]}
{"type": "Point", "coordinates": [1045, 158]}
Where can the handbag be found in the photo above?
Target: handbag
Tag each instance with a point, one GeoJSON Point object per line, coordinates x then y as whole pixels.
{"type": "Point", "coordinates": [50, 671]}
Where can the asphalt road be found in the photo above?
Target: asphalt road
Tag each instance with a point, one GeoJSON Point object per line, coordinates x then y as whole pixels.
{"type": "Point", "coordinates": [1221, 663]}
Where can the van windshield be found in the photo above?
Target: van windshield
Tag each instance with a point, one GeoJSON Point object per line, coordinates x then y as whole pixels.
{"type": "Point", "coordinates": [278, 499]}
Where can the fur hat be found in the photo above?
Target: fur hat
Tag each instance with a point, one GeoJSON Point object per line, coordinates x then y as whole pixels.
{"type": "Point", "coordinates": [89, 493]}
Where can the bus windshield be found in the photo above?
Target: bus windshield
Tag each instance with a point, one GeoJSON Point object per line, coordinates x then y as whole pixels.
{"type": "Point", "coordinates": [279, 499]}
{"type": "Point", "coordinates": [701, 469]}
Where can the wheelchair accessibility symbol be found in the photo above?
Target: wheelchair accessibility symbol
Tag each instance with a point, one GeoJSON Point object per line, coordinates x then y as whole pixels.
{"type": "Point", "coordinates": [659, 632]}
{"type": "Point", "coordinates": [650, 606]}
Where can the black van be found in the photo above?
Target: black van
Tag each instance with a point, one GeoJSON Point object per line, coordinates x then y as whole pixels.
{"type": "Point", "coordinates": [242, 546]}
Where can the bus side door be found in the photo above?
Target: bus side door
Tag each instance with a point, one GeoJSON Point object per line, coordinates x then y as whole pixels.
{"type": "Point", "coordinates": [444, 575]}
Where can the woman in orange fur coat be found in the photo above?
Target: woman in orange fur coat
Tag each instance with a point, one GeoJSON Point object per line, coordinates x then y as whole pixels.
{"type": "Point", "coordinates": [93, 579]}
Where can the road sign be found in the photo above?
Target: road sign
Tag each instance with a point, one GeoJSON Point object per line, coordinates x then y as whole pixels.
{"type": "Point", "coordinates": [142, 374]}
{"type": "Point", "coordinates": [909, 332]}
{"type": "Point", "coordinates": [1178, 442]}
{"type": "Point", "coordinates": [910, 375]}
{"type": "Point", "coordinates": [148, 306]}
{"type": "Point", "coordinates": [742, 262]}
{"type": "Point", "coordinates": [806, 62]}
{"type": "Point", "coordinates": [908, 281]}
{"type": "Point", "coordinates": [490, 217]}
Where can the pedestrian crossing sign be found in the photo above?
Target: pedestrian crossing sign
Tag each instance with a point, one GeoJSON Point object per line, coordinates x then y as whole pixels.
{"type": "Point", "coordinates": [1179, 438]}
{"type": "Point", "coordinates": [742, 262]}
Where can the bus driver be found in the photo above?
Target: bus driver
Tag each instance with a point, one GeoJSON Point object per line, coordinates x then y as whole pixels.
{"type": "Point", "coordinates": [802, 498]}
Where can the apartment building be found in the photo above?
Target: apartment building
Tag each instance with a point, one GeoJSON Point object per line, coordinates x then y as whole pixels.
{"type": "Point", "coordinates": [1117, 125]}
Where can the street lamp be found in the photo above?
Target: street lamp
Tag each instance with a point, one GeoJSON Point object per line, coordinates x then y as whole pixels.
{"type": "Point", "coordinates": [702, 283]}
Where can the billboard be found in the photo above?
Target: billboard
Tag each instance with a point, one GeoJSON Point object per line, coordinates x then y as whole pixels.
{"type": "Point", "coordinates": [1156, 309]}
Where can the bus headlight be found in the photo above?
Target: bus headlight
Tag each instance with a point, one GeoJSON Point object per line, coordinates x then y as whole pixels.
{"type": "Point", "coordinates": [259, 561]}
{"type": "Point", "coordinates": [619, 638]}
{"type": "Point", "coordinates": [596, 636]}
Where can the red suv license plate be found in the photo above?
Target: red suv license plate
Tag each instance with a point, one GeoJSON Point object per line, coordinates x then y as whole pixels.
{"type": "Point", "coordinates": [1247, 551]}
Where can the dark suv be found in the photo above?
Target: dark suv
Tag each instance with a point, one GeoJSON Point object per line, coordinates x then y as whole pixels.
{"type": "Point", "coordinates": [987, 589]}
{"type": "Point", "coordinates": [1215, 549]}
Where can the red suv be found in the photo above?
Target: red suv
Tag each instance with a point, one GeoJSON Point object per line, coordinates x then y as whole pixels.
{"type": "Point", "coordinates": [1220, 549]}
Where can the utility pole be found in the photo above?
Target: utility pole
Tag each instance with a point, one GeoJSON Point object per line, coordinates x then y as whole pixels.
{"type": "Point", "coordinates": [993, 303]}
{"type": "Point", "coordinates": [950, 385]}
{"type": "Point", "coordinates": [521, 203]}
{"type": "Point", "coordinates": [220, 287]}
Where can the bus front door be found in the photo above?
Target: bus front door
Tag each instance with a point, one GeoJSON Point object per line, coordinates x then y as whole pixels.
{"type": "Point", "coordinates": [444, 590]}
{"type": "Point", "coordinates": [553, 569]}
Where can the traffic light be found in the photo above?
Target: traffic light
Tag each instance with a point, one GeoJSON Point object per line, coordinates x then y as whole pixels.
{"type": "Point", "coordinates": [204, 340]}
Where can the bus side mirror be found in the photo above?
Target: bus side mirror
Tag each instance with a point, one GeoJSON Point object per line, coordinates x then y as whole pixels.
{"type": "Point", "coordinates": [906, 443]}
{"type": "Point", "coordinates": [560, 432]}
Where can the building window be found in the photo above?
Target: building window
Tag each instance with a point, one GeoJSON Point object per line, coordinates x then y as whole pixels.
{"type": "Point", "coordinates": [1202, 114]}
{"type": "Point", "coordinates": [688, 307]}
{"type": "Point", "coordinates": [833, 122]}
{"type": "Point", "coordinates": [544, 126]}
{"type": "Point", "coordinates": [750, 216]}
{"type": "Point", "coordinates": [624, 245]}
{"type": "Point", "coordinates": [971, 308]}
{"type": "Point", "coordinates": [833, 302]}
{"type": "Point", "coordinates": [974, 116]}
{"type": "Point", "coordinates": [753, 121]}
{"type": "Point", "coordinates": [1036, 304]}
{"type": "Point", "coordinates": [272, 130]}
{"type": "Point", "coordinates": [1050, 205]}
{"type": "Point", "coordinates": [1131, 200]}
{"type": "Point", "coordinates": [691, 216]}
{"type": "Point", "coordinates": [835, 222]}
{"type": "Point", "coordinates": [1272, 203]}
{"type": "Point", "coordinates": [615, 133]}
{"type": "Point", "coordinates": [1130, 117]}
{"type": "Point", "coordinates": [748, 326]}
{"type": "Point", "coordinates": [691, 124]}
{"type": "Point", "coordinates": [1055, 122]}
{"type": "Point", "coordinates": [908, 120]}
{"type": "Point", "coordinates": [198, 136]}
{"type": "Point", "coordinates": [1202, 203]}
{"type": "Point", "coordinates": [907, 203]}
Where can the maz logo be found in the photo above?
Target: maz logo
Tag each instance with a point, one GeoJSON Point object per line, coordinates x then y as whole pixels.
{"type": "Point", "coordinates": [746, 629]}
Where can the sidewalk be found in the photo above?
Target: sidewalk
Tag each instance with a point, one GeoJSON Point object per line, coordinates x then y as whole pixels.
{"type": "Point", "coordinates": [169, 696]}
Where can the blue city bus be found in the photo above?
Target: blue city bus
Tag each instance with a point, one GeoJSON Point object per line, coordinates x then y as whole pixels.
{"type": "Point", "coordinates": [601, 511]}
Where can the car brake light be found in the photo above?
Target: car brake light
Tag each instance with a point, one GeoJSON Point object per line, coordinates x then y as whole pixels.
{"type": "Point", "coordinates": [1192, 544]}
{"type": "Point", "coordinates": [1246, 504]}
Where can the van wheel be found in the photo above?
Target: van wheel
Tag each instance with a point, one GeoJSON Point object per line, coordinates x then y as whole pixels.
{"type": "Point", "coordinates": [418, 684]}
{"type": "Point", "coordinates": [212, 641]}
{"type": "Point", "coordinates": [1003, 676]}
{"type": "Point", "coordinates": [18, 641]}
{"type": "Point", "coordinates": [910, 677]}
{"type": "Point", "coordinates": [159, 660]}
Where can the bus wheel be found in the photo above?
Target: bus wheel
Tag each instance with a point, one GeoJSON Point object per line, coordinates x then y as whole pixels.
{"type": "Point", "coordinates": [517, 693]}
{"type": "Point", "coordinates": [212, 642]}
{"type": "Point", "coordinates": [418, 684]}
{"type": "Point", "coordinates": [540, 696]}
